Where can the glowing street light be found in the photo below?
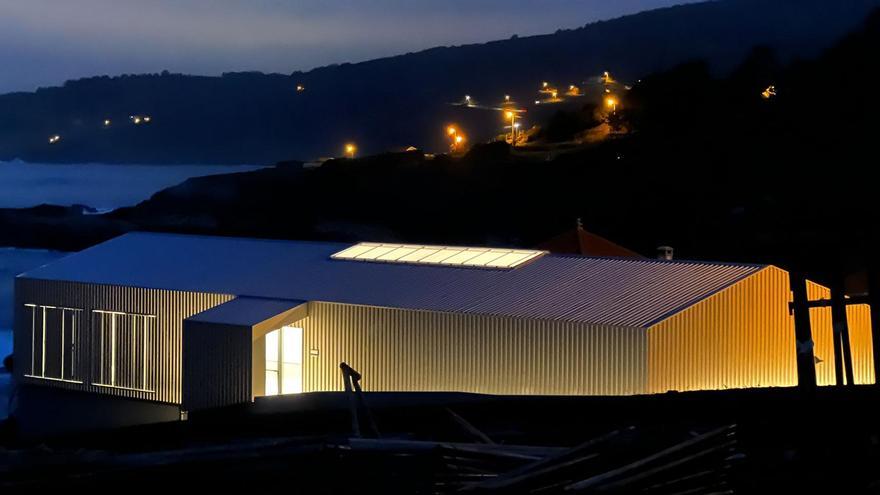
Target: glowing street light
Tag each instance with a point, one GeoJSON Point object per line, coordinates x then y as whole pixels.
{"type": "Point", "coordinates": [467, 100]}
{"type": "Point", "coordinates": [507, 98]}
{"type": "Point", "coordinates": [54, 139]}
{"type": "Point", "coordinates": [768, 93]}
{"type": "Point", "coordinates": [606, 77]}
{"type": "Point", "coordinates": [451, 130]}
{"type": "Point", "coordinates": [300, 88]}
{"type": "Point", "coordinates": [611, 102]}
{"type": "Point", "coordinates": [554, 94]}
{"type": "Point", "coordinates": [513, 125]}
{"type": "Point", "coordinates": [106, 122]}
{"type": "Point", "coordinates": [350, 150]}
{"type": "Point", "coordinates": [545, 84]}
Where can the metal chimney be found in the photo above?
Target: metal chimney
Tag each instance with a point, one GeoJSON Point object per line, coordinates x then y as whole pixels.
{"type": "Point", "coordinates": [665, 253]}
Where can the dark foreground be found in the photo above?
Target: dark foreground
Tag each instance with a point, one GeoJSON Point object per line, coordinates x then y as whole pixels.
{"type": "Point", "coordinates": [760, 441]}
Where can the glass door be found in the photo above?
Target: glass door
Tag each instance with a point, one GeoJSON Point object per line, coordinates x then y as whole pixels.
{"type": "Point", "coordinates": [284, 358]}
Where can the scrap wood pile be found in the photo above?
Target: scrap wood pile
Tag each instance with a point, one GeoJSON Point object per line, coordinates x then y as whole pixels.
{"type": "Point", "coordinates": [621, 461]}
{"type": "Point", "coordinates": [628, 460]}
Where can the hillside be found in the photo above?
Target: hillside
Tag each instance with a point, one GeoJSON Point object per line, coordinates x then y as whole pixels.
{"type": "Point", "coordinates": [391, 102]}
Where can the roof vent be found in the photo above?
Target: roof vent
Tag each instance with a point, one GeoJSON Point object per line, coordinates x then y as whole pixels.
{"type": "Point", "coordinates": [665, 253]}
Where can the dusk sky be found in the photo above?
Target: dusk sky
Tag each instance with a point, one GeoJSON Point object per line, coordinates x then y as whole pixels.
{"type": "Point", "coordinates": [44, 42]}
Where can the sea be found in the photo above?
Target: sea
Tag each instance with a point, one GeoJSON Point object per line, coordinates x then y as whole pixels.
{"type": "Point", "coordinates": [100, 186]}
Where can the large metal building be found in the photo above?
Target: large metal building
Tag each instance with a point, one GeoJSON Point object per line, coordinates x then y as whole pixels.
{"type": "Point", "coordinates": [146, 327]}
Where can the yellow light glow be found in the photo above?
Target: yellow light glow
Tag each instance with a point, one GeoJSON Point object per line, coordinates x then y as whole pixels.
{"type": "Point", "coordinates": [300, 88]}
{"type": "Point", "coordinates": [350, 149]}
{"type": "Point", "coordinates": [506, 97]}
{"type": "Point", "coordinates": [509, 114]}
{"type": "Point", "coordinates": [554, 94]}
{"type": "Point", "coordinates": [545, 84]}
{"type": "Point", "coordinates": [451, 130]}
{"type": "Point", "coordinates": [610, 102]}
{"type": "Point", "coordinates": [438, 255]}
{"type": "Point", "coordinates": [459, 139]}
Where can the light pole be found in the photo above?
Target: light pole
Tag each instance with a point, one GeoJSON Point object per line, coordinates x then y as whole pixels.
{"type": "Point", "coordinates": [512, 116]}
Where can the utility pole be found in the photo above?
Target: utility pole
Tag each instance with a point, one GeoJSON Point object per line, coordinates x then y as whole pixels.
{"type": "Point", "coordinates": [841, 332]}
{"type": "Point", "coordinates": [806, 364]}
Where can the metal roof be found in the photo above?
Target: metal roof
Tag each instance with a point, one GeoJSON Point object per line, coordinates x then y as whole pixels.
{"type": "Point", "coordinates": [608, 291]}
{"type": "Point", "coordinates": [245, 311]}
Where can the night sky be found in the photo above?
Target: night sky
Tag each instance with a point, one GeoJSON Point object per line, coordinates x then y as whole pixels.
{"type": "Point", "coordinates": [44, 42]}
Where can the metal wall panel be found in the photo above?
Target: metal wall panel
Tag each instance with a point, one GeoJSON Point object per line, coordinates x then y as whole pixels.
{"type": "Point", "coordinates": [859, 322]}
{"type": "Point", "coordinates": [412, 350]}
{"type": "Point", "coordinates": [169, 307]}
{"type": "Point", "coordinates": [217, 365]}
{"type": "Point", "coordinates": [739, 338]}
{"type": "Point", "coordinates": [744, 337]}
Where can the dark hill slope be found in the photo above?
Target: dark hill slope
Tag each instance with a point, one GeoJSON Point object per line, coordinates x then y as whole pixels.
{"type": "Point", "coordinates": [396, 101]}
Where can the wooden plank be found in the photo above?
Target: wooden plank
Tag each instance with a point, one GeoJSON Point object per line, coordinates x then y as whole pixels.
{"type": "Point", "coordinates": [641, 463]}
{"type": "Point", "coordinates": [469, 428]}
{"type": "Point", "coordinates": [569, 457]}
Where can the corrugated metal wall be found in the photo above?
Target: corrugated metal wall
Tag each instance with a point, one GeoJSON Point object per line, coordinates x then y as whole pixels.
{"type": "Point", "coordinates": [169, 307]}
{"type": "Point", "coordinates": [408, 350]}
{"type": "Point", "coordinates": [740, 337]}
{"type": "Point", "coordinates": [217, 365]}
{"type": "Point", "coordinates": [744, 337]}
{"type": "Point", "coordinates": [859, 322]}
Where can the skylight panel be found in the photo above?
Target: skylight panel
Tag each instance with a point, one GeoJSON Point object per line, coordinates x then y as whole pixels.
{"type": "Point", "coordinates": [438, 255]}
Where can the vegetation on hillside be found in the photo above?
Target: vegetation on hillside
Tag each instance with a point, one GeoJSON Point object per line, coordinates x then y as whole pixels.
{"type": "Point", "coordinates": [390, 103]}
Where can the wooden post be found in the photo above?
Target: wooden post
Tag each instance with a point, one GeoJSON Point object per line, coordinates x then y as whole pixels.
{"type": "Point", "coordinates": [806, 365]}
{"type": "Point", "coordinates": [352, 404]}
{"type": "Point", "coordinates": [841, 331]}
{"type": "Point", "coordinates": [874, 298]}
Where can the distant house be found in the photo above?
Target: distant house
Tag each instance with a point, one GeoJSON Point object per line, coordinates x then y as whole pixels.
{"type": "Point", "coordinates": [580, 241]}
{"type": "Point", "coordinates": [146, 327]}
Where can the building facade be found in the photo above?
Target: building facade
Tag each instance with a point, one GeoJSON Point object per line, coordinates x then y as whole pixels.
{"type": "Point", "coordinates": [147, 326]}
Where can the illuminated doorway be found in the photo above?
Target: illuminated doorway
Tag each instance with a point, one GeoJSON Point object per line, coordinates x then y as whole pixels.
{"type": "Point", "coordinates": [284, 358]}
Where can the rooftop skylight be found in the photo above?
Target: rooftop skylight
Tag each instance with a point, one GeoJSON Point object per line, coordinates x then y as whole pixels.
{"type": "Point", "coordinates": [438, 255]}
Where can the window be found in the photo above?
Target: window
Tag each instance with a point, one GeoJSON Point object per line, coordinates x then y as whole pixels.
{"type": "Point", "coordinates": [284, 357]}
{"type": "Point", "coordinates": [438, 255]}
{"type": "Point", "coordinates": [123, 346]}
{"type": "Point", "coordinates": [55, 341]}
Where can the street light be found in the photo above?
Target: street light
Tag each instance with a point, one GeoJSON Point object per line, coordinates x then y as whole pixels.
{"type": "Point", "coordinates": [106, 122]}
{"type": "Point", "coordinates": [611, 102]}
{"type": "Point", "coordinates": [451, 130]}
{"type": "Point", "coordinates": [350, 150]}
{"type": "Point", "coordinates": [512, 116]}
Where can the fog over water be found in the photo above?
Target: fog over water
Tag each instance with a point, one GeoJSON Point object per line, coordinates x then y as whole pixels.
{"type": "Point", "coordinates": [100, 186]}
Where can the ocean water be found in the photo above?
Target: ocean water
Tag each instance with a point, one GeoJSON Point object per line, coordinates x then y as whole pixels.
{"type": "Point", "coordinates": [103, 187]}
{"type": "Point", "coordinates": [12, 262]}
